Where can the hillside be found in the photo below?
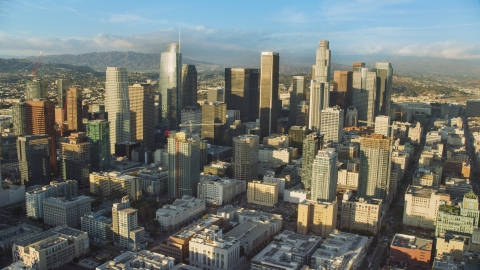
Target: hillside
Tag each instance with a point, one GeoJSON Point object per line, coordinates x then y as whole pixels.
{"type": "Point", "coordinates": [22, 65]}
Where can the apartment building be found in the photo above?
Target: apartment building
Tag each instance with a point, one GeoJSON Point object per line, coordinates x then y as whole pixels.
{"type": "Point", "coordinates": [422, 204]}
{"type": "Point", "coordinates": [218, 191]}
{"type": "Point", "coordinates": [319, 218]}
{"type": "Point", "coordinates": [262, 193]}
{"type": "Point", "coordinates": [98, 227]}
{"type": "Point", "coordinates": [360, 214]}
{"type": "Point", "coordinates": [62, 212]}
{"type": "Point", "coordinates": [35, 195]}
{"type": "Point", "coordinates": [115, 184]}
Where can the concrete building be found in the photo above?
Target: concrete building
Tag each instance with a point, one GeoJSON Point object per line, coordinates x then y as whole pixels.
{"type": "Point", "coordinates": [126, 232]}
{"type": "Point", "coordinates": [61, 212]}
{"type": "Point", "coordinates": [34, 159]}
{"type": "Point", "coordinates": [340, 251]}
{"type": "Point", "coordinates": [153, 182]}
{"type": "Point", "coordinates": [297, 94]}
{"type": "Point", "coordinates": [189, 86]}
{"type": "Point", "coordinates": [382, 123]}
{"type": "Point", "coordinates": [98, 133]}
{"type": "Point", "coordinates": [51, 249]}
{"type": "Point", "coordinates": [74, 110]}
{"type": "Point", "coordinates": [462, 219]}
{"type": "Point", "coordinates": [218, 191]}
{"type": "Point", "coordinates": [318, 218]}
{"type": "Point", "coordinates": [411, 250]}
{"type": "Point", "coordinates": [14, 234]}
{"type": "Point", "coordinates": [451, 245]}
{"type": "Point", "coordinates": [295, 195]}
{"type": "Point", "coordinates": [142, 114]}
{"type": "Point", "coordinates": [209, 249]}
{"type": "Point", "coordinates": [359, 214]}
{"type": "Point", "coordinates": [272, 154]}
{"type": "Point", "coordinates": [348, 178]}
{"type": "Point", "coordinates": [288, 250]}
{"type": "Point", "coordinates": [214, 122]}
{"type": "Point", "coordinates": [143, 259]}
{"type": "Point", "coordinates": [35, 196]}
{"type": "Point", "coordinates": [182, 211]}
{"type": "Point", "coordinates": [115, 184]}
{"type": "Point", "coordinates": [10, 194]}
{"type": "Point", "coordinates": [245, 157]}
{"type": "Point", "coordinates": [311, 144]}
{"type": "Point", "coordinates": [472, 108]}
{"type": "Point", "coordinates": [76, 158]}
{"type": "Point", "coordinates": [325, 175]}
{"type": "Point", "coordinates": [421, 206]}
{"type": "Point", "coordinates": [332, 125]}
{"type": "Point", "coordinates": [269, 75]}
{"type": "Point", "coordinates": [262, 193]}
{"type": "Point", "coordinates": [98, 227]}
{"type": "Point", "coordinates": [216, 95]}
{"type": "Point", "coordinates": [276, 140]}
{"type": "Point", "coordinates": [319, 100]}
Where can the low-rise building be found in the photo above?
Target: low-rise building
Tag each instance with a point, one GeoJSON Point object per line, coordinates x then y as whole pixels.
{"type": "Point", "coordinates": [451, 245]}
{"type": "Point", "coordinates": [348, 178]}
{"type": "Point", "coordinates": [139, 260]}
{"type": "Point", "coordinates": [61, 212]}
{"type": "Point", "coordinates": [10, 194]}
{"type": "Point", "coordinates": [421, 206]}
{"type": "Point", "coordinates": [319, 218]}
{"type": "Point", "coordinates": [181, 211]}
{"type": "Point", "coordinates": [153, 182]}
{"type": "Point", "coordinates": [218, 191]}
{"type": "Point", "coordinates": [288, 250]}
{"type": "Point", "coordinates": [262, 193]}
{"type": "Point", "coordinates": [274, 154]}
{"type": "Point", "coordinates": [36, 194]}
{"type": "Point", "coordinates": [461, 219]}
{"type": "Point", "coordinates": [98, 227]}
{"type": "Point", "coordinates": [115, 184]}
{"type": "Point", "coordinates": [219, 168]}
{"type": "Point", "coordinates": [296, 195]}
{"type": "Point", "coordinates": [340, 251]}
{"type": "Point", "coordinates": [411, 250]}
{"type": "Point", "coordinates": [359, 214]}
{"type": "Point", "coordinates": [14, 234]}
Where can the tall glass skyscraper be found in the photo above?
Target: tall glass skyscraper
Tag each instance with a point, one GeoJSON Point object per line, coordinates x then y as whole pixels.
{"type": "Point", "coordinates": [269, 75]}
{"type": "Point", "coordinates": [169, 86]}
{"type": "Point", "coordinates": [384, 93]}
{"type": "Point", "coordinates": [98, 136]}
{"type": "Point", "coordinates": [117, 104]}
{"type": "Point", "coordinates": [364, 91]}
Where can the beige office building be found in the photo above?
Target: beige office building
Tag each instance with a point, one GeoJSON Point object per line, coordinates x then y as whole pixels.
{"type": "Point", "coordinates": [318, 218]}
{"type": "Point", "coordinates": [142, 114]}
{"type": "Point", "coordinates": [115, 184]}
{"type": "Point", "coordinates": [262, 193]}
{"type": "Point", "coordinates": [360, 214]}
{"type": "Point", "coordinates": [421, 206]}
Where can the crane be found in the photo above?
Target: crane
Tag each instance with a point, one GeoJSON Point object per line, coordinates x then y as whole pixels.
{"type": "Point", "coordinates": [34, 71]}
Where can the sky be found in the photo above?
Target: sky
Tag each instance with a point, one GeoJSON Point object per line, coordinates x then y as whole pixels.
{"type": "Point", "coordinates": [442, 29]}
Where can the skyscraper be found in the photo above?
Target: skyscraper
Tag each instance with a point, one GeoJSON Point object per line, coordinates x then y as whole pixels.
{"type": "Point", "coordinates": [351, 117]}
{"type": "Point", "coordinates": [332, 125]}
{"type": "Point", "coordinates": [18, 118]}
{"type": "Point", "coordinates": [319, 99]}
{"type": "Point", "coordinates": [374, 171]}
{"type": "Point", "coordinates": [296, 134]}
{"type": "Point", "coordinates": [62, 86]}
{"type": "Point", "coordinates": [311, 144]}
{"type": "Point", "coordinates": [183, 167]}
{"type": "Point", "coordinates": [169, 84]}
{"type": "Point", "coordinates": [382, 123]}
{"type": "Point", "coordinates": [117, 105]}
{"type": "Point", "coordinates": [142, 114]}
{"type": "Point", "coordinates": [297, 95]}
{"type": "Point", "coordinates": [245, 157]}
{"type": "Point", "coordinates": [98, 132]}
{"type": "Point", "coordinates": [76, 159]}
{"type": "Point", "coordinates": [34, 90]}
{"type": "Point", "coordinates": [189, 86]}
{"type": "Point", "coordinates": [34, 159]}
{"type": "Point", "coordinates": [342, 89]}
{"type": "Point", "coordinates": [269, 75]}
{"type": "Point", "coordinates": [321, 69]}
{"type": "Point", "coordinates": [324, 175]}
{"type": "Point", "coordinates": [40, 119]}
{"type": "Point", "coordinates": [213, 121]}
{"type": "Point", "coordinates": [254, 98]}
{"type": "Point", "coordinates": [237, 90]}
{"type": "Point", "coordinates": [357, 65]}
{"type": "Point", "coordinates": [364, 92]}
{"type": "Point", "coordinates": [384, 94]}
{"type": "Point", "coordinates": [74, 110]}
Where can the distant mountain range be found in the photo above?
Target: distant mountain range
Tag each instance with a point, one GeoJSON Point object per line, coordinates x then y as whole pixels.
{"type": "Point", "coordinates": [23, 65]}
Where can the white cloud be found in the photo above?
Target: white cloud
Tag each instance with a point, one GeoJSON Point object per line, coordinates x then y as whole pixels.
{"type": "Point", "coordinates": [291, 16]}
{"type": "Point", "coordinates": [123, 18]}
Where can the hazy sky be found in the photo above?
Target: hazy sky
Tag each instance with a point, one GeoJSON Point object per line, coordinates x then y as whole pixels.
{"type": "Point", "coordinates": [446, 29]}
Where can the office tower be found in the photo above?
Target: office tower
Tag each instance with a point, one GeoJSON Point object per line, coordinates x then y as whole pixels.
{"type": "Point", "coordinates": [303, 113]}
{"type": "Point", "coordinates": [126, 232]}
{"type": "Point", "coordinates": [18, 117]}
{"type": "Point", "coordinates": [296, 134]}
{"type": "Point", "coordinates": [374, 171]}
{"type": "Point", "coordinates": [357, 65]}
{"type": "Point", "coordinates": [351, 117]}
{"type": "Point", "coordinates": [236, 129]}
{"type": "Point", "coordinates": [269, 75]}
{"type": "Point", "coordinates": [76, 158]}
{"type": "Point", "coordinates": [382, 123]}
{"type": "Point", "coordinates": [34, 159]}
{"type": "Point", "coordinates": [472, 108]}
{"type": "Point", "coordinates": [216, 95]}
{"type": "Point", "coordinates": [296, 96]}
{"type": "Point", "coordinates": [317, 218]}
{"type": "Point", "coordinates": [169, 83]}
{"type": "Point", "coordinates": [74, 109]}
{"type": "Point", "coordinates": [213, 122]}
{"type": "Point", "coordinates": [363, 96]}
{"type": "Point", "coordinates": [321, 69]}
{"type": "Point", "coordinates": [254, 99]}
{"type": "Point", "coordinates": [189, 86]}
{"type": "Point", "coordinates": [237, 90]}
{"type": "Point", "coordinates": [34, 90]}
{"type": "Point", "coordinates": [319, 100]}
{"type": "Point", "coordinates": [142, 114]}
{"type": "Point", "coordinates": [117, 105]}
{"type": "Point", "coordinates": [342, 89]}
{"type": "Point", "coordinates": [384, 91]}
{"type": "Point", "coordinates": [183, 167]}
{"type": "Point", "coordinates": [40, 119]}
{"type": "Point", "coordinates": [62, 86]}
{"type": "Point", "coordinates": [332, 125]}
{"type": "Point", "coordinates": [311, 144]}
{"type": "Point", "coordinates": [62, 212]}
{"type": "Point", "coordinates": [245, 157]}
{"type": "Point", "coordinates": [324, 175]}
{"type": "Point", "coordinates": [98, 132]}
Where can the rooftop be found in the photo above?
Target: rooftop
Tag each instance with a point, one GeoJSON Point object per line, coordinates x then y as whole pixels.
{"type": "Point", "coordinates": [139, 260]}
{"type": "Point", "coordinates": [412, 242]}
{"type": "Point", "coordinates": [63, 201]}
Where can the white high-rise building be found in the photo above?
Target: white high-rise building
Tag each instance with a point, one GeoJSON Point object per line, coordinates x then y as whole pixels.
{"type": "Point", "coordinates": [245, 157]}
{"type": "Point", "coordinates": [382, 123]}
{"type": "Point", "coordinates": [319, 98]}
{"type": "Point", "coordinates": [117, 104]}
{"type": "Point", "coordinates": [325, 175]}
{"type": "Point", "coordinates": [332, 125]}
{"type": "Point", "coordinates": [321, 69]}
{"type": "Point", "coordinates": [126, 232]}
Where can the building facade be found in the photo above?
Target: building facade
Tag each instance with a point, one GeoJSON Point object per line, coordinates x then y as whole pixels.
{"type": "Point", "coordinates": [169, 84]}
{"type": "Point", "coordinates": [318, 218]}
{"type": "Point", "coordinates": [269, 75]}
{"type": "Point", "coordinates": [245, 157]}
{"type": "Point", "coordinates": [325, 175]}
{"type": "Point", "coordinates": [142, 114]}
{"type": "Point", "coordinates": [34, 159]}
{"type": "Point", "coordinates": [98, 133]}
{"type": "Point", "coordinates": [76, 158]}
{"type": "Point", "coordinates": [62, 212]}
{"type": "Point", "coordinates": [262, 193]}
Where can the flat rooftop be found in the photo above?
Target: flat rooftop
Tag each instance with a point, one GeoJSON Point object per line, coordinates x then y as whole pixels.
{"type": "Point", "coordinates": [412, 242]}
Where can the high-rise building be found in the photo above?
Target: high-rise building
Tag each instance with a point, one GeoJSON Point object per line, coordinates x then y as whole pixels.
{"type": "Point", "coordinates": [332, 125]}
{"type": "Point", "coordinates": [351, 117]}
{"type": "Point", "coordinates": [216, 95]}
{"type": "Point", "coordinates": [318, 218]}
{"type": "Point", "coordinates": [254, 98]}
{"type": "Point", "coordinates": [169, 84]}
{"type": "Point", "coordinates": [357, 65]}
{"type": "Point", "coordinates": [98, 132]}
{"type": "Point", "coordinates": [342, 89]}
{"type": "Point", "coordinates": [126, 232]}
{"type": "Point", "coordinates": [262, 193]}
{"type": "Point", "coordinates": [321, 69]}
{"type": "Point", "coordinates": [269, 75]}
{"type": "Point", "coordinates": [142, 114]}
{"type": "Point", "coordinates": [319, 100]}
{"type": "Point", "coordinates": [189, 86]}
{"type": "Point", "coordinates": [115, 184]}
{"type": "Point", "coordinates": [74, 109]}
{"type": "Point", "coordinates": [237, 90]}
{"type": "Point", "coordinates": [374, 171]}
{"type": "Point", "coordinates": [384, 92]}
{"type": "Point", "coordinates": [34, 159]}
{"type": "Point", "coordinates": [34, 90]}
{"type": "Point", "coordinates": [245, 157]}
{"type": "Point", "coordinates": [297, 95]}
{"type": "Point", "coordinates": [303, 113]}
{"type": "Point", "coordinates": [382, 123]}
{"type": "Point", "coordinates": [76, 158]}
{"type": "Point", "coordinates": [296, 134]}
{"type": "Point", "coordinates": [311, 144]}
{"type": "Point", "coordinates": [363, 96]}
{"type": "Point", "coordinates": [183, 167]}
{"type": "Point", "coordinates": [214, 122]}
{"type": "Point", "coordinates": [18, 118]}
{"type": "Point", "coordinates": [40, 119]}
{"type": "Point", "coordinates": [117, 105]}
{"type": "Point", "coordinates": [324, 175]}
{"type": "Point", "coordinates": [62, 86]}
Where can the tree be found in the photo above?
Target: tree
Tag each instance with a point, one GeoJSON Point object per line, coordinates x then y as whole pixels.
{"type": "Point", "coordinates": [18, 210]}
